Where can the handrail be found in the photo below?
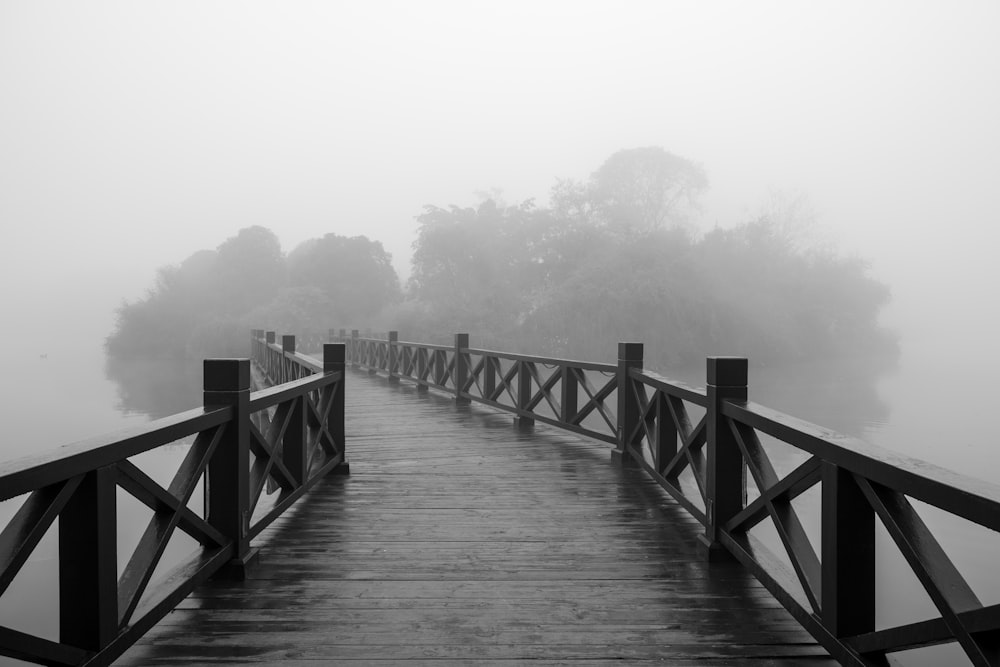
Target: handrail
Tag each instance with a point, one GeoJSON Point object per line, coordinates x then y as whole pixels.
{"type": "Point", "coordinates": [703, 461]}
{"type": "Point", "coordinates": [423, 346]}
{"type": "Point", "coordinates": [19, 476]}
{"type": "Point", "coordinates": [694, 395]}
{"type": "Point", "coordinates": [289, 436]}
{"type": "Point", "coordinates": [970, 498]}
{"type": "Point", "coordinates": [547, 361]}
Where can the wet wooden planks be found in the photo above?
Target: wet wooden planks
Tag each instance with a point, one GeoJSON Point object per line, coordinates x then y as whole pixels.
{"type": "Point", "coordinates": [459, 539]}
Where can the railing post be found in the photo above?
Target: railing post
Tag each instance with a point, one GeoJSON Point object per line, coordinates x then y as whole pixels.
{"type": "Point", "coordinates": [489, 377]}
{"type": "Point", "coordinates": [355, 360]}
{"type": "Point", "coordinates": [334, 362]}
{"type": "Point", "coordinates": [437, 367]}
{"type": "Point", "coordinates": [665, 447]}
{"type": "Point", "coordinates": [568, 389]}
{"type": "Point", "coordinates": [372, 353]}
{"type": "Point", "coordinates": [461, 368]}
{"type": "Point", "coordinates": [88, 563]}
{"type": "Point", "coordinates": [422, 370]}
{"type": "Point", "coordinates": [523, 395]}
{"type": "Point", "coordinates": [287, 367]}
{"type": "Point", "coordinates": [227, 488]}
{"type": "Point", "coordinates": [725, 483]}
{"type": "Point", "coordinates": [393, 361]}
{"type": "Point", "coordinates": [848, 561]}
{"type": "Point", "coordinates": [629, 357]}
{"type": "Point", "coordinates": [272, 372]}
{"type": "Point", "coordinates": [293, 443]}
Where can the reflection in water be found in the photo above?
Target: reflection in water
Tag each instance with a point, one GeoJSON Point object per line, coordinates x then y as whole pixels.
{"type": "Point", "coordinates": [841, 394]}
{"type": "Point", "coordinates": [156, 387]}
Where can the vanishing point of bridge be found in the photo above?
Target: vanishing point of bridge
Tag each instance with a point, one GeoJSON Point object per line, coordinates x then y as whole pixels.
{"type": "Point", "coordinates": [460, 537]}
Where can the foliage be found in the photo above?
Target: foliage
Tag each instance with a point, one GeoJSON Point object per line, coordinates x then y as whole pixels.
{"type": "Point", "coordinates": [610, 260]}
{"type": "Point", "coordinates": [353, 276]}
{"type": "Point", "coordinates": [613, 261]}
{"type": "Point", "coordinates": [638, 190]}
{"type": "Point", "coordinates": [474, 265]}
{"type": "Point", "coordinates": [206, 306]}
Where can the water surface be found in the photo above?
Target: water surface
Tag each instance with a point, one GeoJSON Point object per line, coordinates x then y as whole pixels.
{"type": "Point", "coordinates": [932, 405]}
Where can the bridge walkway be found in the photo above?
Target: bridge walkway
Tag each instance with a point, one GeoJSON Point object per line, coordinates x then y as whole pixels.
{"type": "Point", "coordinates": [459, 539]}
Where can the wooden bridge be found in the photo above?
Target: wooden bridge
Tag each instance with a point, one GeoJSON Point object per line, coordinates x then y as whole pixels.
{"type": "Point", "coordinates": [459, 536]}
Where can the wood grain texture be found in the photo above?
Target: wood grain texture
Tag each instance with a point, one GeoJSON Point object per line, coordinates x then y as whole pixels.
{"type": "Point", "coordinates": [460, 539]}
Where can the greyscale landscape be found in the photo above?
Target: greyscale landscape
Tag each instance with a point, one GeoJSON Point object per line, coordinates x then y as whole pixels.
{"type": "Point", "coordinates": [811, 187]}
{"type": "Point", "coordinates": [609, 259]}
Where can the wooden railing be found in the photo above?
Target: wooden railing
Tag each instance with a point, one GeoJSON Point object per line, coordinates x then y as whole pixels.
{"type": "Point", "coordinates": [699, 444]}
{"type": "Point", "coordinates": [520, 384]}
{"type": "Point", "coordinates": [288, 436]}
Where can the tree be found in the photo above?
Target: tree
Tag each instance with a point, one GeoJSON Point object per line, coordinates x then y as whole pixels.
{"type": "Point", "coordinates": [637, 190]}
{"type": "Point", "coordinates": [476, 267]}
{"type": "Point", "coordinates": [354, 275]}
{"type": "Point", "coordinates": [204, 306]}
{"type": "Point", "coordinates": [249, 269]}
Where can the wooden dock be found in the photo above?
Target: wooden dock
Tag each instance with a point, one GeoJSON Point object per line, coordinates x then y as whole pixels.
{"type": "Point", "coordinates": [459, 539]}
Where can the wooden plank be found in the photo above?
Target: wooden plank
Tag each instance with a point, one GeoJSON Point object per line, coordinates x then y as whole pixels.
{"type": "Point", "coordinates": [458, 537]}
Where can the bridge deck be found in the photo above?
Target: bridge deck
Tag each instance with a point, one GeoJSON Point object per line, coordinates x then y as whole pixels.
{"type": "Point", "coordinates": [458, 538]}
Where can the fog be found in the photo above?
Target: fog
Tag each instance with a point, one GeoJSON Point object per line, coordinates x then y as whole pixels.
{"type": "Point", "coordinates": [133, 134]}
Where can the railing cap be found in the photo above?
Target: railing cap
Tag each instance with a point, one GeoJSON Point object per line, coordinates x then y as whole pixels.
{"type": "Point", "coordinates": [226, 375]}
{"type": "Point", "coordinates": [334, 353]}
{"type": "Point", "coordinates": [630, 351]}
{"type": "Point", "coordinates": [727, 371]}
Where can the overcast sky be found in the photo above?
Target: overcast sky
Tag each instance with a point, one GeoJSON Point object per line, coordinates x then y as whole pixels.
{"type": "Point", "coordinates": [134, 133]}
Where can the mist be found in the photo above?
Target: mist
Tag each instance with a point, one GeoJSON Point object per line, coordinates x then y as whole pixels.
{"type": "Point", "coordinates": [175, 173]}
{"type": "Point", "coordinates": [133, 135]}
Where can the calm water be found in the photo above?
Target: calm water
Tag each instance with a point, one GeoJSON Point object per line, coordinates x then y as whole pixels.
{"type": "Point", "coordinates": [932, 406]}
{"type": "Point", "coordinates": [60, 395]}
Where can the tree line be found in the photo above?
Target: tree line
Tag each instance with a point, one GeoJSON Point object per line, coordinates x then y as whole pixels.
{"type": "Point", "coordinates": [611, 258]}
{"type": "Point", "coordinates": [206, 305]}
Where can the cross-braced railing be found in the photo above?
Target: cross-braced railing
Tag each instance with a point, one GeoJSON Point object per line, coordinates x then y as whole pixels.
{"type": "Point", "coordinates": [575, 395]}
{"type": "Point", "coordinates": [830, 590]}
{"type": "Point", "coordinates": [236, 446]}
{"type": "Point", "coordinates": [705, 446]}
